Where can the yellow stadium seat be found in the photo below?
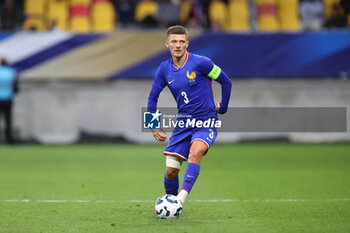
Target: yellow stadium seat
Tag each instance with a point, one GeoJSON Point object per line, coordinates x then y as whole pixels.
{"type": "Point", "coordinates": [36, 24]}
{"type": "Point", "coordinates": [103, 17]}
{"type": "Point", "coordinates": [268, 23]}
{"type": "Point", "coordinates": [290, 23]}
{"type": "Point", "coordinates": [80, 24]}
{"type": "Point", "coordinates": [288, 11]}
{"type": "Point", "coordinates": [218, 14]}
{"type": "Point", "coordinates": [288, 6]}
{"type": "Point", "coordinates": [328, 5]}
{"type": "Point", "coordinates": [34, 15]}
{"type": "Point", "coordinates": [185, 10]}
{"type": "Point", "coordinates": [239, 15]}
{"type": "Point", "coordinates": [267, 15]}
{"type": "Point", "coordinates": [34, 7]}
{"type": "Point", "coordinates": [58, 11]}
{"type": "Point", "coordinates": [144, 9]}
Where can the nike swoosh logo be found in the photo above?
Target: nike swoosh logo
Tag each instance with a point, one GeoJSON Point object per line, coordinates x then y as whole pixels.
{"type": "Point", "coordinates": [171, 81]}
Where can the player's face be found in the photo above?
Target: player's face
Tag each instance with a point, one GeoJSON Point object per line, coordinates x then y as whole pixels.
{"type": "Point", "coordinates": [177, 44]}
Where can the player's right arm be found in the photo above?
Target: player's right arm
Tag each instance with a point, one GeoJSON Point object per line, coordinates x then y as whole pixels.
{"type": "Point", "coordinates": [157, 87]}
{"type": "Point", "coordinates": [158, 135]}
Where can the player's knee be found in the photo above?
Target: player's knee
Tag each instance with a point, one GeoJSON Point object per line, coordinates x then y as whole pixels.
{"type": "Point", "coordinates": [171, 173]}
{"type": "Point", "coordinates": [195, 156]}
{"type": "Point", "coordinates": [197, 152]}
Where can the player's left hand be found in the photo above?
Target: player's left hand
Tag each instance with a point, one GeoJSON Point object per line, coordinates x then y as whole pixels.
{"type": "Point", "coordinates": [217, 106]}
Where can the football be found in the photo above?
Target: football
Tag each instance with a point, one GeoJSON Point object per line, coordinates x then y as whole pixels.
{"type": "Point", "coordinates": [168, 206]}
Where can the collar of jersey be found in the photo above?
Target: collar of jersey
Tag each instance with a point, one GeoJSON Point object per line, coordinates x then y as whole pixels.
{"type": "Point", "coordinates": [178, 68]}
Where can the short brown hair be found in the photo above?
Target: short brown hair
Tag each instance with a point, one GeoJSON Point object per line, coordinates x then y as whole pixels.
{"type": "Point", "coordinates": [3, 62]}
{"type": "Point", "coordinates": [178, 30]}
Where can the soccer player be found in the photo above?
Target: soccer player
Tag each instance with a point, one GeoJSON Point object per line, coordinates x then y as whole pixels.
{"type": "Point", "coordinates": [189, 77]}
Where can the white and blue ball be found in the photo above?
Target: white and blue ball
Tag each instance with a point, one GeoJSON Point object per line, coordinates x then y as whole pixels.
{"type": "Point", "coordinates": [168, 206]}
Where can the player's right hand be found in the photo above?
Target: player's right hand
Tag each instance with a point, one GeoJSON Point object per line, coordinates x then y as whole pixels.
{"type": "Point", "coordinates": [158, 135]}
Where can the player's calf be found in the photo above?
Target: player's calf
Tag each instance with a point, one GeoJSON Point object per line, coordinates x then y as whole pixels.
{"type": "Point", "coordinates": [171, 173]}
{"type": "Point", "coordinates": [197, 151]}
{"type": "Point", "coordinates": [171, 179]}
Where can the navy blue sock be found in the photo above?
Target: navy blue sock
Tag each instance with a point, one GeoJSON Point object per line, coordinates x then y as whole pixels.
{"type": "Point", "coordinates": [191, 175]}
{"type": "Point", "coordinates": [171, 186]}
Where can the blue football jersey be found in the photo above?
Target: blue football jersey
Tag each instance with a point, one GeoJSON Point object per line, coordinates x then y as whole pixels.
{"type": "Point", "coordinates": [190, 84]}
{"type": "Point", "coordinates": [7, 78]}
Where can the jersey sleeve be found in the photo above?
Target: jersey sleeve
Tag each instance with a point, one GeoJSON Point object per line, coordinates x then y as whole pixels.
{"type": "Point", "coordinates": [208, 68]}
{"type": "Point", "coordinates": [205, 65]}
{"type": "Point", "coordinates": [226, 86]}
{"type": "Point", "coordinates": [157, 87]}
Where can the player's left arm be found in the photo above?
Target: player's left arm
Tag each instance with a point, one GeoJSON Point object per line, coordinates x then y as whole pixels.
{"type": "Point", "coordinates": [226, 85]}
{"type": "Point", "coordinates": [214, 72]}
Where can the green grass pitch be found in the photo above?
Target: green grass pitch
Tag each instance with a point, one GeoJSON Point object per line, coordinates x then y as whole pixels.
{"type": "Point", "coordinates": [242, 188]}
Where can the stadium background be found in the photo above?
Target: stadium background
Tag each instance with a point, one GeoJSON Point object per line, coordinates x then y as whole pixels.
{"type": "Point", "coordinates": [88, 77]}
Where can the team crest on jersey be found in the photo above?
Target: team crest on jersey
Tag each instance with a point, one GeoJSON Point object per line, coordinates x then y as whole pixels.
{"type": "Point", "coordinates": [191, 77]}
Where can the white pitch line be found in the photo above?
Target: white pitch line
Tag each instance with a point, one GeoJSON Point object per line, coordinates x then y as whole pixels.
{"type": "Point", "coordinates": [273, 200]}
{"type": "Point", "coordinates": [138, 201]}
{"type": "Point", "coordinates": [198, 201]}
{"type": "Point", "coordinates": [57, 201]}
{"type": "Point", "coordinates": [14, 200]}
{"type": "Point", "coordinates": [105, 201]}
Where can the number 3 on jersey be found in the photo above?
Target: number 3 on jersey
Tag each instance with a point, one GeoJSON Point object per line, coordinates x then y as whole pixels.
{"type": "Point", "coordinates": [185, 97]}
